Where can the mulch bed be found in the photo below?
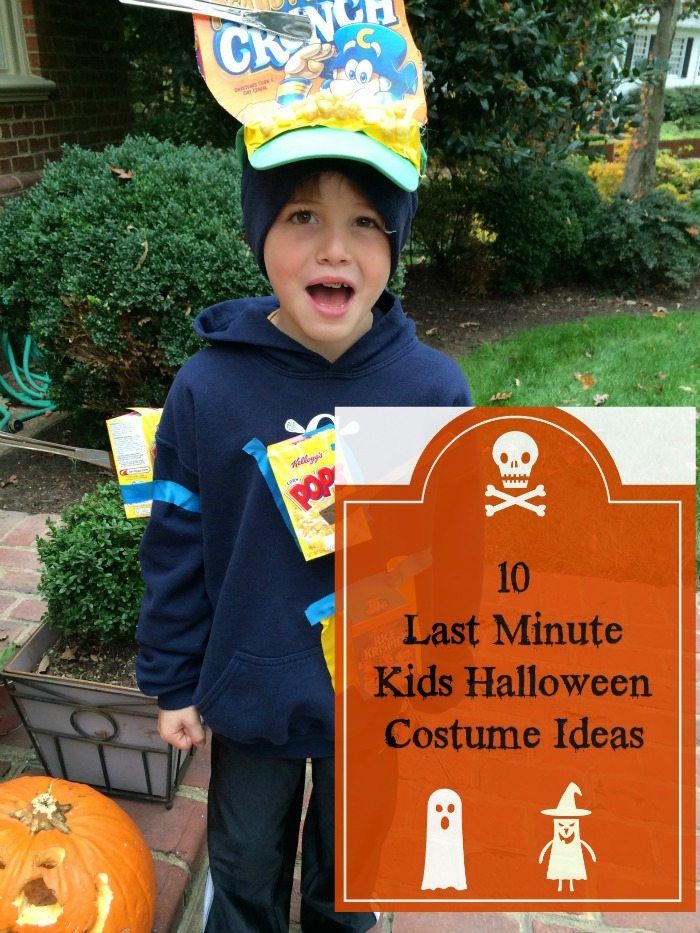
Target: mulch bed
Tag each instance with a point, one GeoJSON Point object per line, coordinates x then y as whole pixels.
{"type": "Point", "coordinates": [38, 482]}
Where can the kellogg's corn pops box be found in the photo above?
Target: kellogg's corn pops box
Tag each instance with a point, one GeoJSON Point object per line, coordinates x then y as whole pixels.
{"type": "Point", "coordinates": [304, 468]}
{"type": "Point", "coordinates": [133, 440]}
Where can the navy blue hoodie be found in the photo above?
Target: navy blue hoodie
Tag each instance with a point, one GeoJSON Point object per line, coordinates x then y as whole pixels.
{"type": "Point", "coordinates": [222, 624]}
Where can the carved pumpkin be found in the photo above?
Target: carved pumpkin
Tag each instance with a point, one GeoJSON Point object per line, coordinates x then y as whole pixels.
{"type": "Point", "coordinates": [71, 861]}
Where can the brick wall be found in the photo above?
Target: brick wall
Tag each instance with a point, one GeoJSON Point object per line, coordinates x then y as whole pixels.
{"type": "Point", "coordinates": [76, 44]}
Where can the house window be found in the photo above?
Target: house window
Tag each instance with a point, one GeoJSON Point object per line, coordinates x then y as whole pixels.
{"type": "Point", "coordinates": [677, 59]}
{"type": "Point", "coordinates": [13, 51]}
{"type": "Point", "coordinates": [640, 50]}
{"type": "Point", "coordinates": [3, 53]}
{"type": "Point", "coordinates": [17, 83]}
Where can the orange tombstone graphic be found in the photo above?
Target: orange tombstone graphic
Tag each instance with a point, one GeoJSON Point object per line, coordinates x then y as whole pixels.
{"type": "Point", "coordinates": [515, 678]}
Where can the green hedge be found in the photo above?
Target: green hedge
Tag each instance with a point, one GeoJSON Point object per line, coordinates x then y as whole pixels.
{"type": "Point", "coordinates": [681, 103]}
{"type": "Point", "coordinates": [91, 579]}
{"type": "Point", "coordinates": [649, 241]}
{"type": "Point", "coordinates": [110, 257]}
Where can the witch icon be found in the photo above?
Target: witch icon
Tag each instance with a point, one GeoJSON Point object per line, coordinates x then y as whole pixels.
{"type": "Point", "coordinates": [566, 858]}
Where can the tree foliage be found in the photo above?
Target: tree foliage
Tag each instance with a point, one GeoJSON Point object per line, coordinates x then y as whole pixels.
{"type": "Point", "coordinates": [512, 80]}
{"type": "Point", "coordinates": [168, 97]}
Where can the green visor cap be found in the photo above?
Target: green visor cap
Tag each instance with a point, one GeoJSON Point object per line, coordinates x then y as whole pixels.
{"type": "Point", "coordinates": [323, 142]}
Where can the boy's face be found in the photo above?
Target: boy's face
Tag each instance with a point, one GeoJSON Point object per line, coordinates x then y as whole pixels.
{"type": "Point", "coordinates": [328, 260]}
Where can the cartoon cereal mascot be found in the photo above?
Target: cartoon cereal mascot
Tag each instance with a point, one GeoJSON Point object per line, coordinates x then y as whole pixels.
{"type": "Point", "coordinates": [368, 65]}
{"type": "Point", "coordinates": [566, 858]}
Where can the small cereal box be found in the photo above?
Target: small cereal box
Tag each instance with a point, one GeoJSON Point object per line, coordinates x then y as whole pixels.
{"type": "Point", "coordinates": [133, 437]}
{"type": "Point", "coordinates": [304, 470]}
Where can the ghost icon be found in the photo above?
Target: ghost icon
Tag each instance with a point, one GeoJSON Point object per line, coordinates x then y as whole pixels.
{"type": "Point", "coordinates": [444, 846]}
{"type": "Point", "coordinates": [566, 858]}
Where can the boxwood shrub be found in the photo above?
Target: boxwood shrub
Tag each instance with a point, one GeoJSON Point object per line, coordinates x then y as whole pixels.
{"type": "Point", "coordinates": [649, 241]}
{"type": "Point", "coordinates": [90, 578]}
{"type": "Point", "coordinates": [542, 216]}
{"type": "Point", "coordinates": [109, 258]}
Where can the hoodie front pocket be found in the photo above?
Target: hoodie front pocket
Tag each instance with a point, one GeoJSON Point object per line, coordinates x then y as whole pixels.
{"type": "Point", "coordinates": [270, 699]}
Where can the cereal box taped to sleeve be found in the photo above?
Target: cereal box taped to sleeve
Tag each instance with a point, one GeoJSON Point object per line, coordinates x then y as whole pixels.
{"type": "Point", "coordinates": [133, 439]}
{"type": "Point", "coordinates": [304, 469]}
{"type": "Point", "coordinates": [360, 71]}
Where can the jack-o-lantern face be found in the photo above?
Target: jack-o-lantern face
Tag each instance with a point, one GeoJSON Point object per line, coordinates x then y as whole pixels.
{"type": "Point", "coordinates": [71, 859]}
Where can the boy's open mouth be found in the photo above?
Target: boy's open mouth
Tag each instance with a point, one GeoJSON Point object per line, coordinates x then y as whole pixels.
{"type": "Point", "coordinates": [333, 296]}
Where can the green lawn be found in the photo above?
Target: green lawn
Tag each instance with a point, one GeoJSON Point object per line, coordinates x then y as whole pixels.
{"type": "Point", "coordinates": [671, 131]}
{"type": "Point", "coordinates": [634, 361]}
{"type": "Point", "coordinates": [668, 131]}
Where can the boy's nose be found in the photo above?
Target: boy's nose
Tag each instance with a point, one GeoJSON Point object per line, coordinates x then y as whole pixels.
{"type": "Point", "coordinates": [333, 248]}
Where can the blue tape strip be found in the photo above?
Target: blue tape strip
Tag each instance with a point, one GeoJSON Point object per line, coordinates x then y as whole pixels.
{"type": "Point", "coordinates": [321, 609]}
{"type": "Point", "coordinates": [166, 491]}
{"type": "Point", "coordinates": [258, 451]}
{"type": "Point", "coordinates": [137, 492]}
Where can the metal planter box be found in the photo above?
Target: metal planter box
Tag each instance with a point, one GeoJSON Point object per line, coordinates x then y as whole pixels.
{"type": "Point", "coordinates": [94, 733]}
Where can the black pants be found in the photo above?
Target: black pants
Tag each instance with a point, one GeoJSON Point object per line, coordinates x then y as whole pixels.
{"type": "Point", "coordinates": [253, 827]}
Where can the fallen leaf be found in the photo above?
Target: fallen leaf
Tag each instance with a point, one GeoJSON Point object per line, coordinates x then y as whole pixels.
{"type": "Point", "coordinates": [470, 324]}
{"type": "Point", "coordinates": [43, 665]}
{"type": "Point", "coordinates": [586, 379]}
{"type": "Point", "coordinates": [639, 386]}
{"type": "Point", "coordinates": [600, 399]}
{"type": "Point", "coordinates": [10, 481]}
{"type": "Point", "coordinates": [568, 401]}
{"type": "Point", "coordinates": [500, 396]}
{"type": "Point", "coordinates": [518, 383]}
{"type": "Point", "coordinates": [588, 355]}
{"type": "Point", "coordinates": [142, 257]}
{"type": "Point", "coordinates": [686, 388]}
{"type": "Point", "coordinates": [68, 655]}
{"type": "Point", "coordinates": [694, 230]}
{"type": "Point", "coordinates": [431, 331]}
{"type": "Point", "coordinates": [123, 173]}
{"type": "Point", "coordinates": [94, 657]}
{"type": "Point", "coordinates": [662, 375]}
{"type": "Point", "coordinates": [658, 388]}
{"type": "Point", "coordinates": [660, 312]}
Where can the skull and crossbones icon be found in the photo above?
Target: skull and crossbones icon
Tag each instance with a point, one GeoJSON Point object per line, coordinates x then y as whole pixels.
{"type": "Point", "coordinates": [515, 453]}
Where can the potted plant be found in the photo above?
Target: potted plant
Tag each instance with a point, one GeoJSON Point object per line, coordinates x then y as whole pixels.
{"type": "Point", "coordinates": [73, 681]}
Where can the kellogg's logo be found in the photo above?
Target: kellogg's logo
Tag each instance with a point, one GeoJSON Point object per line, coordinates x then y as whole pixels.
{"type": "Point", "coordinates": [306, 459]}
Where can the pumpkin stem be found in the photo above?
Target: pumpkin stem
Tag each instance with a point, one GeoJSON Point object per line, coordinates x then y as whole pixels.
{"type": "Point", "coordinates": [44, 812]}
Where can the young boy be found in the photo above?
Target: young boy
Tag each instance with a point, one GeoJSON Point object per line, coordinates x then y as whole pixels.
{"type": "Point", "coordinates": [223, 634]}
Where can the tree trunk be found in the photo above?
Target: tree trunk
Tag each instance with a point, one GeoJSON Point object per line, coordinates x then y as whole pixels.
{"type": "Point", "coordinates": [640, 167]}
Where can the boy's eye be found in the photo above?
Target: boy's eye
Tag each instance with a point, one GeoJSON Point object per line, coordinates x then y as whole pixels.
{"type": "Point", "coordinates": [302, 217]}
{"type": "Point", "coordinates": [367, 222]}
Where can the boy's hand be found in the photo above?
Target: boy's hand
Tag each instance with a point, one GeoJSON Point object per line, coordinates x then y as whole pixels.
{"type": "Point", "coordinates": [181, 727]}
